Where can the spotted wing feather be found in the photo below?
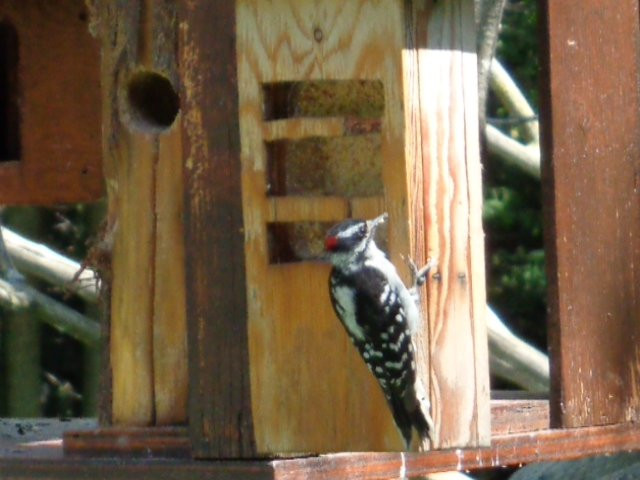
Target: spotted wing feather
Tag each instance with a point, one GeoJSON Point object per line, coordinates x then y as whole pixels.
{"type": "Point", "coordinates": [384, 340]}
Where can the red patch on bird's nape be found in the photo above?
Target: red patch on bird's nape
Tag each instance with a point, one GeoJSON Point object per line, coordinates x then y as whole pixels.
{"type": "Point", "coordinates": [331, 243]}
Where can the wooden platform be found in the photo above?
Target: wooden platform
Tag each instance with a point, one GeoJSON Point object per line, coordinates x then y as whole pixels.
{"type": "Point", "coordinates": [34, 449]}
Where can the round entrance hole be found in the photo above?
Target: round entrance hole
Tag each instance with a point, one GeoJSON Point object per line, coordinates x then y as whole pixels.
{"type": "Point", "coordinates": [153, 103]}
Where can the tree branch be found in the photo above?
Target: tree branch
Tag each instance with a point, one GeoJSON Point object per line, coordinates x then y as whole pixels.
{"type": "Point", "coordinates": [525, 157]}
{"type": "Point", "coordinates": [41, 262]}
{"type": "Point", "coordinates": [515, 360]}
{"type": "Point", "coordinates": [16, 294]}
{"type": "Point", "coordinates": [513, 100]}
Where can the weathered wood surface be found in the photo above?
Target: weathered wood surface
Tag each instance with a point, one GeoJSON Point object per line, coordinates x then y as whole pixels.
{"type": "Point", "coordinates": [516, 416]}
{"type": "Point", "coordinates": [507, 417]}
{"type": "Point", "coordinates": [142, 167]}
{"type": "Point", "coordinates": [220, 411]}
{"type": "Point", "coordinates": [129, 442]}
{"type": "Point", "coordinates": [591, 120]}
{"type": "Point", "coordinates": [296, 359]}
{"type": "Point", "coordinates": [446, 207]}
{"type": "Point", "coordinates": [43, 459]}
{"type": "Point", "coordinates": [310, 390]}
{"type": "Point", "coordinates": [59, 119]}
{"type": "Point", "coordinates": [170, 365]}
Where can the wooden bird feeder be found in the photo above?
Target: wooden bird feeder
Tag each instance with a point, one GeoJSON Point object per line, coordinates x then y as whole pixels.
{"type": "Point", "coordinates": [336, 113]}
{"type": "Point", "coordinates": [49, 92]}
{"type": "Point", "coordinates": [235, 133]}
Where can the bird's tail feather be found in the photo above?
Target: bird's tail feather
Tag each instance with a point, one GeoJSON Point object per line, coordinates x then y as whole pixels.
{"type": "Point", "coordinates": [402, 419]}
{"type": "Point", "coordinates": [421, 417]}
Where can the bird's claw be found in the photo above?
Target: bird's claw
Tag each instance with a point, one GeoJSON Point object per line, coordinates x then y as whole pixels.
{"type": "Point", "coordinates": [420, 275]}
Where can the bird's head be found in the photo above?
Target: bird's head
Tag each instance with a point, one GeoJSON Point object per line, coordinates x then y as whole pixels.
{"type": "Point", "coordinates": [350, 238]}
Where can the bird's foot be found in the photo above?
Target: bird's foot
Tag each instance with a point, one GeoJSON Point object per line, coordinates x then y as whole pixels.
{"type": "Point", "coordinates": [420, 274]}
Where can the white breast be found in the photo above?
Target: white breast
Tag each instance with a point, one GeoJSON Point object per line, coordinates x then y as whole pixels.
{"type": "Point", "coordinates": [346, 306]}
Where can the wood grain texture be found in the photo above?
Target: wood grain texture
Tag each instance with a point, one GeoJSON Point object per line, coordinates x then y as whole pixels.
{"type": "Point", "coordinates": [310, 390]}
{"type": "Point", "coordinates": [507, 417]}
{"type": "Point", "coordinates": [508, 450]}
{"type": "Point", "coordinates": [170, 366]}
{"type": "Point", "coordinates": [128, 167]}
{"type": "Point", "coordinates": [591, 153]}
{"type": "Point", "coordinates": [44, 460]}
{"type": "Point", "coordinates": [60, 117]}
{"type": "Point", "coordinates": [143, 173]}
{"type": "Point", "coordinates": [445, 184]}
{"type": "Point", "coordinates": [220, 412]}
{"type": "Point", "coordinates": [129, 442]}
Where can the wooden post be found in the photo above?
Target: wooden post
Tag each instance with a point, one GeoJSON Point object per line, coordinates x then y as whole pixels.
{"type": "Point", "coordinates": [142, 164]}
{"type": "Point", "coordinates": [220, 419]}
{"type": "Point", "coordinates": [591, 120]}
{"type": "Point", "coordinates": [444, 175]}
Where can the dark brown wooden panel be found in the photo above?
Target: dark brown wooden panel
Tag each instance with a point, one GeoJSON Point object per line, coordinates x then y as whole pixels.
{"type": "Point", "coordinates": [591, 181]}
{"type": "Point", "coordinates": [58, 105]}
{"type": "Point", "coordinates": [220, 417]}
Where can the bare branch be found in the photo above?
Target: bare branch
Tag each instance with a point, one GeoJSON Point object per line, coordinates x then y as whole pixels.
{"type": "Point", "coordinates": [513, 100]}
{"type": "Point", "coordinates": [527, 158]}
{"type": "Point", "coordinates": [515, 360]}
{"type": "Point", "coordinates": [16, 294]}
{"type": "Point", "coordinates": [41, 262]}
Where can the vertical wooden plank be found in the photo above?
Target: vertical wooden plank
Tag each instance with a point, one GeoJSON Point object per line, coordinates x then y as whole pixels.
{"type": "Point", "coordinates": [220, 420]}
{"type": "Point", "coordinates": [142, 161]}
{"type": "Point", "coordinates": [128, 168]}
{"type": "Point", "coordinates": [169, 327]}
{"type": "Point", "coordinates": [591, 180]}
{"type": "Point", "coordinates": [445, 180]}
{"type": "Point", "coordinates": [132, 270]}
{"type": "Point", "coordinates": [170, 366]}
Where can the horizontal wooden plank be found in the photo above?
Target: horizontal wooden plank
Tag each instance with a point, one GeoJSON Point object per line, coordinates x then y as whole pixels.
{"type": "Point", "coordinates": [82, 437]}
{"type": "Point", "coordinates": [516, 416]}
{"type": "Point", "coordinates": [300, 209]}
{"type": "Point", "coordinates": [321, 209]}
{"type": "Point", "coordinates": [545, 445]}
{"type": "Point", "coordinates": [297, 128]}
{"type": "Point", "coordinates": [154, 441]}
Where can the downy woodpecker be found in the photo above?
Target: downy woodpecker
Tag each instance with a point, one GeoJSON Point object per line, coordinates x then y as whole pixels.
{"type": "Point", "coordinates": [380, 315]}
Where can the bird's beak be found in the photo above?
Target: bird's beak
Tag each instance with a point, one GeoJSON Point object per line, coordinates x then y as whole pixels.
{"type": "Point", "coordinates": [373, 224]}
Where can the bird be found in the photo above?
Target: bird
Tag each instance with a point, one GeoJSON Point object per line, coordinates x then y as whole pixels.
{"type": "Point", "coordinates": [381, 316]}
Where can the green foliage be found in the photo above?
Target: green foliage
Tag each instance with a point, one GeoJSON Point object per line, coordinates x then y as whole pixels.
{"type": "Point", "coordinates": [518, 45]}
{"type": "Point", "coordinates": [515, 258]}
{"type": "Point", "coordinates": [513, 207]}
